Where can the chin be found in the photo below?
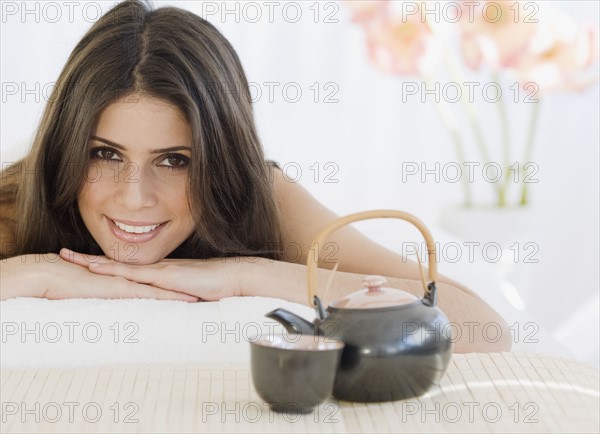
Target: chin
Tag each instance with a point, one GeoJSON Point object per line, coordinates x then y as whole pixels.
{"type": "Point", "coordinates": [141, 261]}
{"type": "Point", "coordinates": [135, 258]}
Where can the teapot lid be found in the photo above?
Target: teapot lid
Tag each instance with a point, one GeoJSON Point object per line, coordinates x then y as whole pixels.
{"type": "Point", "coordinates": [374, 296]}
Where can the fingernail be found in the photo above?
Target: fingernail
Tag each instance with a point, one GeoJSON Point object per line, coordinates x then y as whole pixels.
{"type": "Point", "coordinates": [94, 265]}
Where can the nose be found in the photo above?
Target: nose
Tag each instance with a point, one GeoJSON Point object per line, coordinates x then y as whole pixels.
{"type": "Point", "coordinates": [136, 189]}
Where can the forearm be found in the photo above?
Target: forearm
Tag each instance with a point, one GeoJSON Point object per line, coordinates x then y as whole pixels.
{"type": "Point", "coordinates": [474, 323]}
{"type": "Point", "coordinates": [21, 276]}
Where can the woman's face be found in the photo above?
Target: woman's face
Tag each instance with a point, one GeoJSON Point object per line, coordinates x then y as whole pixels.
{"type": "Point", "coordinates": [134, 201]}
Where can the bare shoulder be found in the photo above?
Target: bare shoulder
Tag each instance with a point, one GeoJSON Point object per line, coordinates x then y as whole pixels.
{"type": "Point", "coordinates": [303, 216]}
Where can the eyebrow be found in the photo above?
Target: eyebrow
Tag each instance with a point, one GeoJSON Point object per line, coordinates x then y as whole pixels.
{"type": "Point", "coordinates": [155, 151]}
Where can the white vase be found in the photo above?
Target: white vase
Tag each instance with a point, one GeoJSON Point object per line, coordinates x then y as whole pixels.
{"type": "Point", "coordinates": [511, 231]}
{"type": "Point", "coordinates": [504, 225]}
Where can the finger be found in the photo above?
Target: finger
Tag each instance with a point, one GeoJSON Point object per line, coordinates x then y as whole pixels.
{"type": "Point", "coordinates": [146, 274]}
{"type": "Point", "coordinates": [137, 290]}
{"type": "Point", "coordinates": [158, 276]}
{"type": "Point", "coordinates": [82, 259]}
{"type": "Point", "coordinates": [147, 291]}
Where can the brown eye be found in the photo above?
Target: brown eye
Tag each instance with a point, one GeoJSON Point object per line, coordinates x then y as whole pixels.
{"type": "Point", "coordinates": [105, 154]}
{"type": "Point", "coordinates": [175, 161]}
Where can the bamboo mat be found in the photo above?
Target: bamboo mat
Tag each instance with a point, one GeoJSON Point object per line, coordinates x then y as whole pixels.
{"type": "Point", "coordinates": [487, 392]}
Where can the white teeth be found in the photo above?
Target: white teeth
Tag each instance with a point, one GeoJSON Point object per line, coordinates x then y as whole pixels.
{"type": "Point", "coordinates": [135, 229]}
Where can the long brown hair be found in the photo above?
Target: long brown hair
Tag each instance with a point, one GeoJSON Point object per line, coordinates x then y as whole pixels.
{"type": "Point", "coordinates": [167, 53]}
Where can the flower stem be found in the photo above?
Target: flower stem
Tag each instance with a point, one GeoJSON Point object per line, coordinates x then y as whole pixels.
{"type": "Point", "coordinates": [452, 126]}
{"type": "Point", "coordinates": [505, 178]}
{"type": "Point", "coordinates": [457, 76]}
{"type": "Point", "coordinates": [535, 111]}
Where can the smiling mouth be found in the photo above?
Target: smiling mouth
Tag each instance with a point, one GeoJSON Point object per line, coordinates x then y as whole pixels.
{"type": "Point", "coordinates": [140, 233]}
{"type": "Point", "coordinates": [136, 229]}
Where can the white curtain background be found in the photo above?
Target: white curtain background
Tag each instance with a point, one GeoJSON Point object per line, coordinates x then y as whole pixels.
{"type": "Point", "coordinates": [365, 130]}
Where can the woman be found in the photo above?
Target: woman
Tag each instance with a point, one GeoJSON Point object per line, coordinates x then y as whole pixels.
{"type": "Point", "coordinates": [149, 170]}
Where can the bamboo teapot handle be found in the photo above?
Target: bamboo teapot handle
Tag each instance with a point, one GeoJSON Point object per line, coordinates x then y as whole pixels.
{"type": "Point", "coordinates": [429, 297]}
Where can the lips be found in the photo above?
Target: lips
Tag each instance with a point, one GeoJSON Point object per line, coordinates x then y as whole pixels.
{"type": "Point", "coordinates": [142, 229]}
{"type": "Point", "coordinates": [150, 230]}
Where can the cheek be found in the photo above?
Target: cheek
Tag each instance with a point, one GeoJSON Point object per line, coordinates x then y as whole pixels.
{"type": "Point", "coordinates": [86, 203]}
{"type": "Point", "coordinates": [180, 206]}
{"type": "Point", "coordinates": [93, 193]}
{"type": "Point", "coordinates": [84, 197]}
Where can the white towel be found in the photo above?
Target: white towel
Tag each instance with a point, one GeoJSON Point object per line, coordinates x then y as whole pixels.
{"type": "Point", "coordinates": [86, 332]}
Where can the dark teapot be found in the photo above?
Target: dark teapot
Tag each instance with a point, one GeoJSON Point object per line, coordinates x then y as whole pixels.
{"type": "Point", "coordinates": [396, 345]}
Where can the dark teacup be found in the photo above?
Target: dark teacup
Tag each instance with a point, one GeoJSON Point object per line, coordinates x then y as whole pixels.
{"type": "Point", "coordinates": [294, 373]}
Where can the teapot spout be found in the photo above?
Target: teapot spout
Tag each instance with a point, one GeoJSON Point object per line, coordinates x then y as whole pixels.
{"type": "Point", "coordinates": [292, 322]}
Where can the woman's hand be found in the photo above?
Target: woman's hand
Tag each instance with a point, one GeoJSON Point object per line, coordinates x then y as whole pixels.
{"type": "Point", "coordinates": [209, 280]}
{"type": "Point", "coordinates": [50, 276]}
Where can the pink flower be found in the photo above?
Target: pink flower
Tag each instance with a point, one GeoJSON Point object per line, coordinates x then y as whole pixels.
{"type": "Point", "coordinates": [398, 42]}
{"type": "Point", "coordinates": [365, 10]}
{"type": "Point", "coordinates": [399, 45]}
{"type": "Point", "coordinates": [558, 55]}
{"type": "Point", "coordinates": [496, 33]}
